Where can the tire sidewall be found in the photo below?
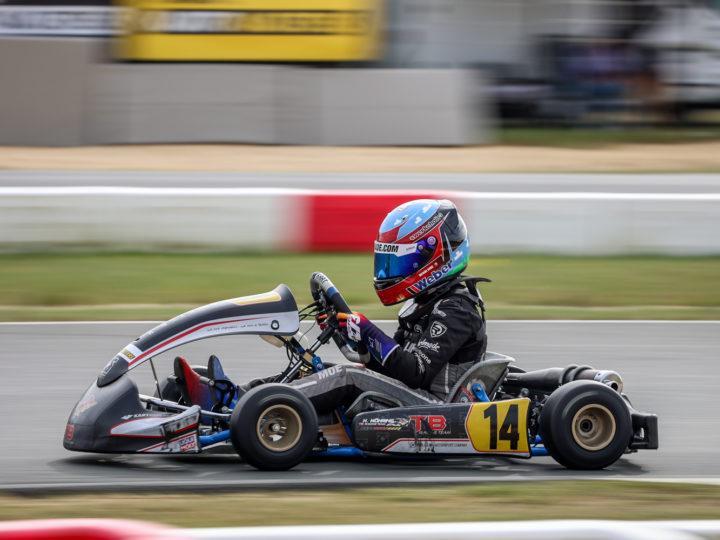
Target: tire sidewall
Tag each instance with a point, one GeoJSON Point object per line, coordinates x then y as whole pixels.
{"type": "Point", "coordinates": [556, 425]}
{"type": "Point", "coordinates": [243, 427]}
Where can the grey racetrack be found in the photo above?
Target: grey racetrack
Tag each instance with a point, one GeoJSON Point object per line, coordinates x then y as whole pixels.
{"type": "Point", "coordinates": [669, 368]}
{"type": "Point", "coordinates": [505, 182]}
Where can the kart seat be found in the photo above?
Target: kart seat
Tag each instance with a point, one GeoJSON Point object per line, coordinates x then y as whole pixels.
{"type": "Point", "coordinates": [193, 386]}
{"type": "Point", "coordinates": [224, 391]}
{"type": "Point", "coordinates": [489, 373]}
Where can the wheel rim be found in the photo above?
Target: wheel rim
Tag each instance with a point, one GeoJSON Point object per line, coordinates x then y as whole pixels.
{"type": "Point", "coordinates": [279, 428]}
{"type": "Point", "coordinates": [593, 427]}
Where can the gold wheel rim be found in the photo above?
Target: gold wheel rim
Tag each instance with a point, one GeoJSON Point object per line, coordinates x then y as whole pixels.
{"type": "Point", "coordinates": [593, 427]}
{"type": "Point", "coordinates": [279, 428]}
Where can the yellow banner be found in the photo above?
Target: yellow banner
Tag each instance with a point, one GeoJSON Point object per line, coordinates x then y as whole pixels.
{"type": "Point", "coordinates": [252, 30]}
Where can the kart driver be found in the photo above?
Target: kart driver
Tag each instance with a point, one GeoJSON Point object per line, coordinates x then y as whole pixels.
{"type": "Point", "coordinates": [421, 249]}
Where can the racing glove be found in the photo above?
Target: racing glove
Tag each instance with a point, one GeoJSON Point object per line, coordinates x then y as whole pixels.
{"type": "Point", "coordinates": [358, 329]}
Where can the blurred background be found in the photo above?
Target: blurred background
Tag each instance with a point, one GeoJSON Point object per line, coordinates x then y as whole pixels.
{"type": "Point", "coordinates": [446, 80]}
{"type": "Point", "coordinates": [349, 72]}
{"type": "Point", "coordinates": [151, 227]}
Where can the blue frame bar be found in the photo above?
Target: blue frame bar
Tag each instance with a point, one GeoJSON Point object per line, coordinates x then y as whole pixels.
{"type": "Point", "coordinates": [480, 393]}
{"type": "Point", "coordinates": [538, 451]}
{"type": "Point", "coordinates": [342, 451]}
{"type": "Point", "coordinates": [221, 436]}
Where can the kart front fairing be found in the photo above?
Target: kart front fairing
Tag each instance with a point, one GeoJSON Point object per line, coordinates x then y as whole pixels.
{"type": "Point", "coordinates": [110, 416]}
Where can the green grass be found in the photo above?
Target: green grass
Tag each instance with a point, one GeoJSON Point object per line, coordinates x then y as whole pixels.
{"type": "Point", "coordinates": [596, 138]}
{"type": "Point", "coordinates": [481, 502]}
{"type": "Point", "coordinates": [157, 286]}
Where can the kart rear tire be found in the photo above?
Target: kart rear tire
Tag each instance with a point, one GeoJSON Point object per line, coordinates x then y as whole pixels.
{"type": "Point", "coordinates": [585, 425]}
{"type": "Point", "coordinates": [273, 427]}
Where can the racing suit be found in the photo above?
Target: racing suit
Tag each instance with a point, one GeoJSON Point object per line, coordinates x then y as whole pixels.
{"type": "Point", "coordinates": [436, 343]}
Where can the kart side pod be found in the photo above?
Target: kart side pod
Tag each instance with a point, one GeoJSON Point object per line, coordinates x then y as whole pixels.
{"type": "Point", "coordinates": [457, 428]}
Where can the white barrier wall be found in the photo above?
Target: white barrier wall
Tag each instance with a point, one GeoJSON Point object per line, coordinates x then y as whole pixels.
{"type": "Point", "coordinates": [588, 529]}
{"type": "Point", "coordinates": [144, 219]}
{"type": "Point", "coordinates": [595, 223]}
{"type": "Point", "coordinates": [281, 219]}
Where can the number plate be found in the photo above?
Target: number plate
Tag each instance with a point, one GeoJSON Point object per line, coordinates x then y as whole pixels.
{"type": "Point", "coordinates": [499, 427]}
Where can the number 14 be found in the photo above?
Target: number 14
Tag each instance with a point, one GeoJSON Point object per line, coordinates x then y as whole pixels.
{"type": "Point", "coordinates": [509, 428]}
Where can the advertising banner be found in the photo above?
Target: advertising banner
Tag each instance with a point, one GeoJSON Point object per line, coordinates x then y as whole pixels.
{"type": "Point", "coordinates": [57, 18]}
{"type": "Point", "coordinates": [251, 30]}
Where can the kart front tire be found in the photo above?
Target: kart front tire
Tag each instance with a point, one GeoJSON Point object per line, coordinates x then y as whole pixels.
{"type": "Point", "coordinates": [273, 427]}
{"type": "Point", "coordinates": [585, 425]}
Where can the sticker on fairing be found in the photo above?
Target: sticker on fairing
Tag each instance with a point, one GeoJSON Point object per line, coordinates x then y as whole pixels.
{"type": "Point", "coordinates": [272, 296]}
{"type": "Point", "coordinates": [179, 445]}
{"type": "Point", "coordinates": [130, 352]}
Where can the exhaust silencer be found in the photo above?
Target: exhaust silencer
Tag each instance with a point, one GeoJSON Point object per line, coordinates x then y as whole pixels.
{"type": "Point", "coordinates": [547, 380]}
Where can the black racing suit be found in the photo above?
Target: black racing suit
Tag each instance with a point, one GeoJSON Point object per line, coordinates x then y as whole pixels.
{"type": "Point", "coordinates": [438, 341]}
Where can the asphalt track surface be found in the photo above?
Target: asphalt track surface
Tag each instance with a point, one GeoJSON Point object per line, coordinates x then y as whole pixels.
{"type": "Point", "coordinates": [669, 368]}
{"type": "Point", "coordinates": [522, 183]}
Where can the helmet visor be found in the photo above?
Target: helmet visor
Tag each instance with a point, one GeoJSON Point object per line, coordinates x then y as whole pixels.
{"type": "Point", "coordinates": [401, 260]}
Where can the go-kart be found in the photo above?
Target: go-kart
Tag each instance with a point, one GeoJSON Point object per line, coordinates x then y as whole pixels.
{"type": "Point", "coordinates": [577, 415]}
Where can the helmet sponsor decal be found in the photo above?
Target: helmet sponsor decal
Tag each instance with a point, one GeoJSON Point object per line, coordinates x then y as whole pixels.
{"type": "Point", "coordinates": [395, 249]}
{"type": "Point", "coordinates": [437, 218]}
{"type": "Point", "coordinates": [437, 329]}
{"type": "Point", "coordinates": [425, 282]}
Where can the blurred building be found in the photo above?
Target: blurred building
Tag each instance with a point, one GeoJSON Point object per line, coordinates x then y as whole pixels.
{"type": "Point", "coordinates": [347, 71]}
{"type": "Point", "coordinates": [571, 61]}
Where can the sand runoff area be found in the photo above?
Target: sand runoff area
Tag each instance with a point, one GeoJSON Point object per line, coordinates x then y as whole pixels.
{"type": "Point", "coordinates": [681, 157]}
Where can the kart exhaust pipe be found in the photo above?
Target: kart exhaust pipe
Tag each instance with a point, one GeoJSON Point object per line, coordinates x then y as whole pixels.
{"type": "Point", "coordinates": [548, 380]}
{"type": "Point", "coordinates": [576, 373]}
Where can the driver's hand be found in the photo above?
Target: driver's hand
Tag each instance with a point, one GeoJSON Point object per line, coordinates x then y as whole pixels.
{"type": "Point", "coordinates": [358, 329]}
{"type": "Point", "coordinates": [351, 325]}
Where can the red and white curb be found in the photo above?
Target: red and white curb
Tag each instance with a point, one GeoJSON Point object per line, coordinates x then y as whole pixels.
{"type": "Point", "coordinates": [296, 220]}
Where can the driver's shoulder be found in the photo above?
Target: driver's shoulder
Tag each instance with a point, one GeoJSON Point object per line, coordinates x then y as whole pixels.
{"type": "Point", "coordinates": [455, 297]}
{"type": "Point", "coordinates": [454, 306]}
{"type": "Point", "coordinates": [448, 304]}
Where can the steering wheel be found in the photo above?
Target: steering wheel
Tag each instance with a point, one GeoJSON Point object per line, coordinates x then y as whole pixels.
{"type": "Point", "coordinates": [322, 289]}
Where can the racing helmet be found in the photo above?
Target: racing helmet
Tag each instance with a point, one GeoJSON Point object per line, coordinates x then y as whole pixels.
{"type": "Point", "coordinates": [420, 243]}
